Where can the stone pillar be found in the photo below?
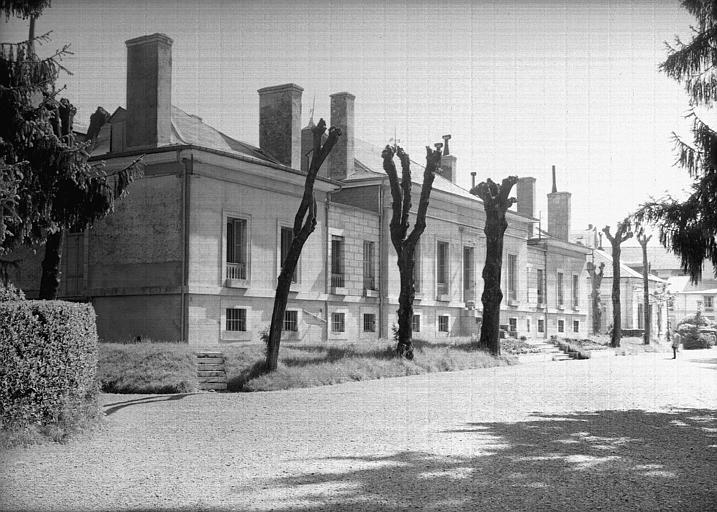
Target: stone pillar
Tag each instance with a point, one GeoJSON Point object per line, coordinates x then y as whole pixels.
{"type": "Point", "coordinates": [280, 123]}
{"type": "Point", "coordinates": [149, 91]}
{"type": "Point", "coordinates": [341, 159]}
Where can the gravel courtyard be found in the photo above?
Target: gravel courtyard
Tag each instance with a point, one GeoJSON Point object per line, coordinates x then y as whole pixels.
{"type": "Point", "coordinates": [613, 433]}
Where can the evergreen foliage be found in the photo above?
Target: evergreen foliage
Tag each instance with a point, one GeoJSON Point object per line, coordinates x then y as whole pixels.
{"type": "Point", "coordinates": [47, 184]}
{"type": "Point", "coordinates": [689, 228]}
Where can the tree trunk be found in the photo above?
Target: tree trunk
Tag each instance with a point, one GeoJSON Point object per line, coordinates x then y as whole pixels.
{"type": "Point", "coordinates": [595, 282]}
{"type": "Point", "coordinates": [495, 226]}
{"type": "Point", "coordinates": [404, 347]}
{"type": "Point", "coordinates": [646, 288]}
{"type": "Point", "coordinates": [277, 319]}
{"type": "Point", "coordinates": [50, 280]}
{"type": "Point", "coordinates": [616, 313]}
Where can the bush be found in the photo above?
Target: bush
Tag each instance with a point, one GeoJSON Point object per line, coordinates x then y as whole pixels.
{"type": "Point", "coordinates": [8, 293]}
{"type": "Point", "coordinates": [693, 339]}
{"type": "Point", "coordinates": [697, 319]}
{"type": "Point", "coordinates": [48, 375]}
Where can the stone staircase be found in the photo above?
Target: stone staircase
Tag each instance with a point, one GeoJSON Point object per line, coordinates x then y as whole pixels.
{"type": "Point", "coordinates": [548, 351]}
{"type": "Point", "coordinates": [210, 371]}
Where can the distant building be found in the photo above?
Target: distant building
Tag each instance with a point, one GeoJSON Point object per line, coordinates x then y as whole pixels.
{"type": "Point", "coordinates": [194, 250]}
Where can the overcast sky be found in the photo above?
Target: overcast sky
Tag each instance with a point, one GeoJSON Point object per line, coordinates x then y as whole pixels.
{"type": "Point", "coordinates": [520, 85]}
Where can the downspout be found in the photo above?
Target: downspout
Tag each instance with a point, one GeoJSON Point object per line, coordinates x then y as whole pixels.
{"type": "Point", "coordinates": [188, 170]}
{"type": "Point", "coordinates": [545, 278]}
{"type": "Point", "coordinates": [381, 288]}
{"type": "Point", "coordinates": [327, 276]}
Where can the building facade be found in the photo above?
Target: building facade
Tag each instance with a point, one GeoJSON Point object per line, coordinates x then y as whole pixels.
{"type": "Point", "coordinates": [193, 252]}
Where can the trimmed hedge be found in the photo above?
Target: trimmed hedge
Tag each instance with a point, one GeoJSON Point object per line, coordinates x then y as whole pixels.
{"type": "Point", "coordinates": [48, 373]}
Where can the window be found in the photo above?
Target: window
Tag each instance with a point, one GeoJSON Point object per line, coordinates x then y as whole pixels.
{"type": "Point", "coordinates": [541, 282]}
{"type": "Point", "coordinates": [541, 325]}
{"type": "Point", "coordinates": [640, 315]}
{"type": "Point", "coordinates": [74, 262]}
{"type": "Point", "coordinates": [236, 248]}
{"type": "Point", "coordinates": [236, 319]}
{"type": "Point", "coordinates": [527, 324]}
{"type": "Point", "coordinates": [337, 261]}
{"type": "Point", "coordinates": [416, 323]}
{"type": "Point", "coordinates": [561, 298]}
{"type": "Point", "coordinates": [417, 268]}
{"type": "Point", "coordinates": [576, 292]}
{"type": "Point", "coordinates": [512, 324]}
{"type": "Point", "coordinates": [442, 268]}
{"type": "Point", "coordinates": [338, 322]}
{"type": "Point", "coordinates": [291, 321]}
{"type": "Point", "coordinates": [369, 322]}
{"type": "Point", "coordinates": [287, 236]}
{"type": "Point", "coordinates": [512, 277]}
{"type": "Point", "coordinates": [468, 274]}
{"type": "Point", "coordinates": [369, 280]}
{"type": "Point", "coordinates": [576, 325]}
{"type": "Point", "coordinates": [443, 323]}
{"type": "Point", "coordinates": [709, 302]}
{"type": "Point", "coordinates": [561, 325]}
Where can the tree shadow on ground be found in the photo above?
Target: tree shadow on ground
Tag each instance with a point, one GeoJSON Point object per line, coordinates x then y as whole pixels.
{"type": "Point", "coordinates": [610, 460]}
{"type": "Point", "coordinates": [112, 408]}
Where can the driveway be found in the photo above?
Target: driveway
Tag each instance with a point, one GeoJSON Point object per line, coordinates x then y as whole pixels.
{"type": "Point", "coordinates": [618, 433]}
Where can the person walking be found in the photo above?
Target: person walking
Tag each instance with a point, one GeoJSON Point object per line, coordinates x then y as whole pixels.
{"type": "Point", "coordinates": [676, 338]}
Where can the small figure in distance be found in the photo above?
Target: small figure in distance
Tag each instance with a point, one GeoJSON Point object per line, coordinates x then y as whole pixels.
{"type": "Point", "coordinates": [676, 338]}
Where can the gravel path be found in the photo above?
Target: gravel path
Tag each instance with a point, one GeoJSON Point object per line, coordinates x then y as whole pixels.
{"type": "Point", "coordinates": [617, 433]}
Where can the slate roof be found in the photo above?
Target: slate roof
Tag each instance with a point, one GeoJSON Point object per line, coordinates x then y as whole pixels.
{"type": "Point", "coordinates": [625, 271]}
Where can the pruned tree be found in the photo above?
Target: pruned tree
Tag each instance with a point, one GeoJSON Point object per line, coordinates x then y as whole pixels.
{"type": "Point", "coordinates": [689, 228]}
{"type": "Point", "coordinates": [596, 275]}
{"type": "Point", "coordinates": [643, 240]}
{"type": "Point", "coordinates": [495, 203]}
{"type": "Point", "coordinates": [621, 234]}
{"type": "Point", "coordinates": [304, 225]}
{"type": "Point", "coordinates": [48, 185]}
{"type": "Point", "coordinates": [404, 242]}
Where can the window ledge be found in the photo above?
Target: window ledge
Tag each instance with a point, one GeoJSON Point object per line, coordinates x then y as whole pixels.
{"type": "Point", "coordinates": [561, 307]}
{"type": "Point", "coordinates": [443, 298]}
{"type": "Point", "coordinates": [236, 283]}
{"type": "Point", "coordinates": [337, 290]}
{"type": "Point", "coordinates": [540, 306]}
{"type": "Point", "coordinates": [370, 293]}
{"type": "Point", "coordinates": [513, 302]}
{"type": "Point", "coordinates": [576, 309]}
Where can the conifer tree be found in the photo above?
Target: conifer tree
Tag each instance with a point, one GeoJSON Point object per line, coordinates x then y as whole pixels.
{"type": "Point", "coordinates": [689, 228]}
{"type": "Point", "coordinates": [47, 185]}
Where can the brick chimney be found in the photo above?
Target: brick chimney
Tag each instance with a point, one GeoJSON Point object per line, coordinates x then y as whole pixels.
{"type": "Point", "coordinates": [149, 91]}
{"type": "Point", "coordinates": [280, 123]}
{"type": "Point", "coordinates": [526, 200]}
{"type": "Point", "coordinates": [559, 213]}
{"type": "Point", "coordinates": [341, 159]}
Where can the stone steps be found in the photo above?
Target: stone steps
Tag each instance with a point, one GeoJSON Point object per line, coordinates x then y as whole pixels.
{"type": "Point", "coordinates": [211, 372]}
{"type": "Point", "coordinates": [547, 349]}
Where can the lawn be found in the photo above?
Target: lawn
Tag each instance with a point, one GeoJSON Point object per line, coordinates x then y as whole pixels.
{"type": "Point", "coordinates": [170, 367]}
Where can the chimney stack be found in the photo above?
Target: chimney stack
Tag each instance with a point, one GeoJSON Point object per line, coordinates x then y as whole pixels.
{"type": "Point", "coordinates": [473, 180]}
{"type": "Point", "coordinates": [280, 123]}
{"type": "Point", "coordinates": [526, 200]}
{"type": "Point", "coordinates": [149, 91]}
{"type": "Point", "coordinates": [559, 213]}
{"type": "Point", "coordinates": [449, 168]}
{"type": "Point", "coordinates": [341, 158]}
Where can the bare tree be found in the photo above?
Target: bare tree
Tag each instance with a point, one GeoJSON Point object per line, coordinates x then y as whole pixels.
{"type": "Point", "coordinates": [304, 225]}
{"type": "Point", "coordinates": [642, 239]}
{"type": "Point", "coordinates": [621, 234]}
{"type": "Point", "coordinates": [403, 242]}
{"type": "Point", "coordinates": [495, 202]}
{"type": "Point", "coordinates": [595, 282]}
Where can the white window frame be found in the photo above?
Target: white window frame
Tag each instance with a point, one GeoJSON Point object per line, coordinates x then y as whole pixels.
{"type": "Point", "coordinates": [236, 283]}
{"type": "Point", "coordinates": [363, 322]}
{"type": "Point", "coordinates": [338, 334]}
{"type": "Point", "coordinates": [420, 321]}
{"type": "Point", "coordinates": [511, 275]}
{"type": "Point", "coordinates": [298, 321]}
{"type": "Point", "coordinates": [448, 323]}
{"type": "Point", "coordinates": [574, 322]}
{"type": "Point", "coordinates": [559, 289]}
{"type": "Point", "coordinates": [557, 325]}
{"type": "Point", "coordinates": [575, 292]}
{"type": "Point", "coordinates": [447, 267]}
{"type": "Point", "coordinates": [341, 290]}
{"type": "Point", "coordinates": [225, 335]}
{"type": "Point", "coordinates": [297, 272]}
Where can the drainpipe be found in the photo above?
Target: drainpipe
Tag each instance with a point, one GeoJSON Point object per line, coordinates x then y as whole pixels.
{"type": "Point", "coordinates": [327, 276]}
{"type": "Point", "coordinates": [188, 170]}
{"type": "Point", "coordinates": [545, 278]}
{"type": "Point", "coordinates": [381, 261]}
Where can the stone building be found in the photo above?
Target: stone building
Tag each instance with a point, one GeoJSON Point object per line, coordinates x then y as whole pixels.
{"type": "Point", "coordinates": [193, 252]}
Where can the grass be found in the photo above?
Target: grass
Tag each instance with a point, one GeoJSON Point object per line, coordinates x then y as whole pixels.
{"type": "Point", "coordinates": [170, 367]}
{"type": "Point", "coordinates": [147, 368]}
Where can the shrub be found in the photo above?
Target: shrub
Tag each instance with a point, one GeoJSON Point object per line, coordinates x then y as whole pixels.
{"type": "Point", "coordinates": [697, 319]}
{"type": "Point", "coordinates": [48, 375]}
{"type": "Point", "coordinates": [8, 293]}
{"type": "Point", "coordinates": [693, 339]}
